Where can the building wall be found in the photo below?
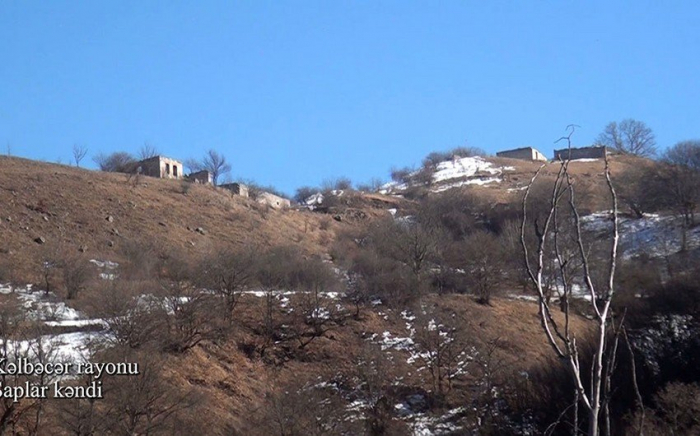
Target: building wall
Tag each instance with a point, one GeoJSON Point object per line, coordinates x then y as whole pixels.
{"type": "Point", "coordinates": [162, 167]}
{"type": "Point", "coordinates": [527, 153]}
{"type": "Point", "coordinates": [536, 155]}
{"type": "Point", "coordinates": [236, 188]}
{"type": "Point", "coordinates": [273, 201]}
{"type": "Point", "coordinates": [203, 177]}
{"type": "Point", "coordinates": [581, 153]}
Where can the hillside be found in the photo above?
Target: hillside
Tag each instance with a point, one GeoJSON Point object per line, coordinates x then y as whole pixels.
{"type": "Point", "coordinates": [100, 213]}
{"type": "Point", "coordinates": [308, 352]}
{"type": "Point", "coordinates": [503, 179]}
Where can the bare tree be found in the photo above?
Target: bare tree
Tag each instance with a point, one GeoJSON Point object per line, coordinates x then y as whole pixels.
{"type": "Point", "coordinates": [413, 244]}
{"type": "Point", "coordinates": [147, 151]}
{"type": "Point", "coordinates": [484, 261]}
{"type": "Point", "coordinates": [314, 313]}
{"type": "Point", "coordinates": [629, 137]}
{"type": "Point", "coordinates": [561, 337]}
{"type": "Point", "coordinates": [214, 162]}
{"type": "Point", "coordinates": [79, 152]}
{"type": "Point", "coordinates": [680, 182]}
{"type": "Point", "coordinates": [186, 311]}
{"type": "Point", "coordinates": [444, 348]}
{"type": "Point", "coordinates": [146, 403]}
{"type": "Point", "coordinates": [228, 273]}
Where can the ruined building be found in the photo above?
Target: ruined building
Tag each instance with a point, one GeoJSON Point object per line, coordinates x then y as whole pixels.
{"type": "Point", "coordinates": [161, 167]}
{"type": "Point", "coordinates": [204, 177]}
{"type": "Point", "coordinates": [594, 152]}
{"type": "Point", "coordinates": [525, 153]}
{"type": "Point", "coordinates": [236, 188]}
{"type": "Point", "coordinates": [273, 200]}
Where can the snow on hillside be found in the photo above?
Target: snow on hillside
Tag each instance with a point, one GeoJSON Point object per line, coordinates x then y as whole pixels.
{"type": "Point", "coordinates": [454, 173]}
{"type": "Point", "coordinates": [653, 235]}
{"type": "Point", "coordinates": [45, 308]}
{"type": "Point", "coordinates": [465, 167]}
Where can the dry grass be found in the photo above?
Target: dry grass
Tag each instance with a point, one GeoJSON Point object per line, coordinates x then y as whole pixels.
{"type": "Point", "coordinates": [70, 207]}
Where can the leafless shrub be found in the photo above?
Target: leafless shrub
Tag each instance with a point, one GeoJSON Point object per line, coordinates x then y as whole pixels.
{"type": "Point", "coordinates": [79, 152]}
{"type": "Point", "coordinates": [145, 403]}
{"type": "Point", "coordinates": [314, 313]}
{"type": "Point", "coordinates": [445, 348]}
{"type": "Point", "coordinates": [301, 408]}
{"type": "Point", "coordinates": [271, 276]}
{"type": "Point", "coordinates": [186, 311]}
{"type": "Point", "coordinates": [77, 271]}
{"type": "Point", "coordinates": [133, 317]}
{"type": "Point", "coordinates": [371, 186]}
{"type": "Point", "coordinates": [371, 375]}
{"type": "Point", "coordinates": [484, 262]}
{"type": "Point", "coordinates": [676, 412]}
{"type": "Point", "coordinates": [117, 162]}
{"type": "Point", "coordinates": [468, 151]}
{"type": "Point", "coordinates": [147, 151]}
{"type": "Point", "coordinates": [339, 183]}
{"type": "Point", "coordinates": [401, 175]}
{"type": "Point", "coordinates": [228, 273]}
{"type": "Point", "coordinates": [214, 162]}
{"type": "Point", "coordinates": [305, 192]}
{"type": "Point", "coordinates": [139, 260]}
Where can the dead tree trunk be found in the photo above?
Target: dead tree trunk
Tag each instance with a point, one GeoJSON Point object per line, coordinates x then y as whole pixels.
{"type": "Point", "coordinates": [547, 242]}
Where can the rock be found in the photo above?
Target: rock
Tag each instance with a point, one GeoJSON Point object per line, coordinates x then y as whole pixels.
{"type": "Point", "coordinates": [46, 218]}
{"type": "Point", "coordinates": [82, 248]}
{"type": "Point", "coordinates": [39, 240]}
{"type": "Point", "coordinates": [161, 223]}
{"type": "Point", "coordinates": [115, 232]}
{"type": "Point", "coordinates": [200, 230]}
{"type": "Point", "coordinates": [8, 219]}
{"type": "Point", "coordinates": [110, 243]}
{"type": "Point", "coordinates": [110, 219]}
{"type": "Point", "coordinates": [192, 243]}
{"type": "Point", "coordinates": [338, 218]}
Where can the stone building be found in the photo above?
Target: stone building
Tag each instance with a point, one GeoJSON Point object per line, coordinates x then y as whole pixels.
{"type": "Point", "coordinates": [524, 153]}
{"type": "Point", "coordinates": [161, 167]}
{"type": "Point", "coordinates": [204, 177]}
{"type": "Point", "coordinates": [236, 188]}
{"type": "Point", "coordinates": [273, 200]}
{"type": "Point", "coordinates": [594, 152]}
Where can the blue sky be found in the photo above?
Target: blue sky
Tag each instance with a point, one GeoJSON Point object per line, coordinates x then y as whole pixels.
{"type": "Point", "coordinates": [295, 92]}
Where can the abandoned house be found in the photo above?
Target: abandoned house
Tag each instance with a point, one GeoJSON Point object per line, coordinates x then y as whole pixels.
{"type": "Point", "coordinates": [524, 153]}
{"type": "Point", "coordinates": [594, 152]}
{"type": "Point", "coordinates": [273, 200]}
{"type": "Point", "coordinates": [236, 188]}
{"type": "Point", "coordinates": [204, 177]}
{"type": "Point", "coordinates": [161, 167]}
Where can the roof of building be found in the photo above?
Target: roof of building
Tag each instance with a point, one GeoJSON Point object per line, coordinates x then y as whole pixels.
{"type": "Point", "coordinates": [159, 157]}
{"type": "Point", "coordinates": [517, 149]}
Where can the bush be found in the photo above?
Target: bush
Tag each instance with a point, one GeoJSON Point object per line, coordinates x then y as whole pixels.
{"type": "Point", "coordinates": [117, 162]}
{"type": "Point", "coordinates": [304, 192]}
{"type": "Point", "coordinates": [339, 184]}
{"type": "Point", "coordinates": [436, 157]}
{"type": "Point", "coordinates": [401, 175]}
{"type": "Point", "coordinates": [372, 186]}
{"type": "Point", "coordinates": [468, 152]}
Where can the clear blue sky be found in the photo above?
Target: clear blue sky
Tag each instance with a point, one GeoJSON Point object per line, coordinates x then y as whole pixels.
{"type": "Point", "coordinates": [295, 92]}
